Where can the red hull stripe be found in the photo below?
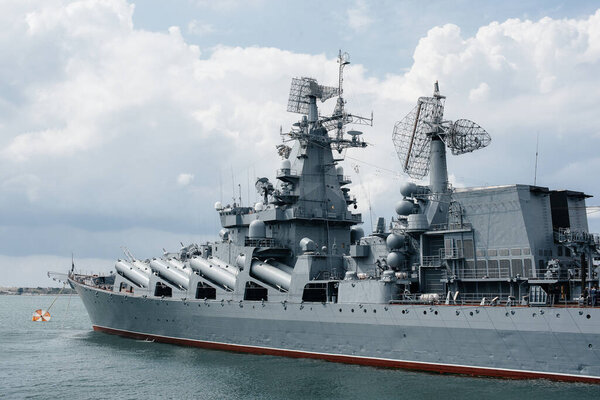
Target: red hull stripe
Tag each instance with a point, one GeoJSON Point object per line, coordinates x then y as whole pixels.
{"type": "Point", "coordinates": [347, 359]}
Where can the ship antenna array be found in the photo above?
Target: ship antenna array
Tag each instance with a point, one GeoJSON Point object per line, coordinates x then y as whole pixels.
{"type": "Point", "coordinates": [304, 93]}
{"type": "Point", "coordinates": [413, 134]}
{"type": "Point", "coordinates": [537, 147]}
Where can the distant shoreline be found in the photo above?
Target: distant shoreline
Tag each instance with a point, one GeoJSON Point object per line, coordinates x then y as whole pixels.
{"type": "Point", "coordinates": [35, 291]}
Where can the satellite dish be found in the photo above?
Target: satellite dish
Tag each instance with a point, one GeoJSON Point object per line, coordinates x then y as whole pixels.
{"type": "Point", "coordinates": [354, 133]}
{"type": "Point", "coordinates": [413, 134]}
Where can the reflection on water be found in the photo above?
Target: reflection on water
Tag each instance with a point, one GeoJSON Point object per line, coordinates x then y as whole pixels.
{"type": "Point", "coordinates": [64, 358]}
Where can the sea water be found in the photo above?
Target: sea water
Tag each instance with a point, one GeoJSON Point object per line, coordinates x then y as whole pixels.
{"type": "Point", "coordinates": [65, 359]}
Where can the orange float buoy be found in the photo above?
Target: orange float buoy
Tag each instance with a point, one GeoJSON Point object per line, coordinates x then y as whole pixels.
{"type": "Point", "coordinates": [41, 316]}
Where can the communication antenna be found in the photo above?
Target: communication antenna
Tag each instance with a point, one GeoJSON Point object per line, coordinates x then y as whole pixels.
{"type": "Point", "coordinates": [537, 144]}
{"type": "Point", "coordinates": [413, 134]}
{"type": "Point", "coordinates": [232, 186]}
{"type": "Point", "coordinates": [304, 93]}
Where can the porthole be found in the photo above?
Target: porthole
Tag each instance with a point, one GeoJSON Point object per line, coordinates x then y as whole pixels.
{"type": "Point", "coordinates": [471, 313]}
{"type": "Point", "coordinates": [365, 310]}
{"type": "Point", "coordinates": [588, 316]}
{"type": "Point", "coordinates": [352, 310]}
{"type": "Point", "coordinates": [424, 312]}
{"type": "Point", "coordinates": [403, 312]}
{"type": "Point", "coordinates": [590, 345]}
{"type": "Point", "coordinates": [340, 310]}
{"type": "Point", "coordinates": [457, 312]}
{"type": "Point", "coordinates": [374, 311]}
{"type": "Point", "coordinates": [435, 312]}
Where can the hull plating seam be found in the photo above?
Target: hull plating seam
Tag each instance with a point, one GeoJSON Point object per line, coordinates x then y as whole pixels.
{"type": "Point", "coordinates": [347, 359]}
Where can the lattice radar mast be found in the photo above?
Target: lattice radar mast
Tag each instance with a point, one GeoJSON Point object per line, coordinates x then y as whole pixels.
{"type": "Point", "coordinates": [414, 134]}
{"type": "Point", "coordinates": [304, 93]}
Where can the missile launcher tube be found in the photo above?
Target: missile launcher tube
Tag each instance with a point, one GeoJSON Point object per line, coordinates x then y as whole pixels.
{"type": "Point", "coordinates": [142, 266]}
{"type": "Point", "coordinates": [213, 272]}
{"type": "Point", "coordinates": [271, 274]}
{"type": "Point", "coordinates": [132, 273]}
{"type": "Point", "coordinates": [285, 268]}
{"type": "Point", "coordinates": [229, 268]}
{"type": "Point", "coordinates": [180, 266]}
{"type": "Point", "coordinates": [170, 273]}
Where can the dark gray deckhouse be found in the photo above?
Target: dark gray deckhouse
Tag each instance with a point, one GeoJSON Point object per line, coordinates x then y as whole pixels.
{"type": "Point", "coordinates": [495, 281]}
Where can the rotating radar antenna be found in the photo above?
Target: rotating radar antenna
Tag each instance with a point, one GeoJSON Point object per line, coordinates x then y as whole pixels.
{"type": "Point", "coordinates": [413, 134]}
{"type": "Point", "coordinates": [303, 89]}
{"type": "Point", "coordinates": [327, 129]}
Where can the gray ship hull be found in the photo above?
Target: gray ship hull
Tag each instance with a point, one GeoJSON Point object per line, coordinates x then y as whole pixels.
{"type": "Point", "coordinates": [559, 343]}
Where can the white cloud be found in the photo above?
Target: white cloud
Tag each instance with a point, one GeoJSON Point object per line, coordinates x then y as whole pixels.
{"type": "Point", "coordinates": [480, 93]}
{"type": "Point", "coordinates": [27, 184]}
{"type": "Point", "coordinates": [199, 28]}
{"type": "Point", "coordinates": [185, 179]}
{"type": "Point", "coordinates": [227, 5]}
{"type": "Point", "coordinates": [359, 17]}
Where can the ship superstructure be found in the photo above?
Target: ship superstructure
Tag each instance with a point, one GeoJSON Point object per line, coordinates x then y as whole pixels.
{"type": "Point", "coordinates": [460, 280]}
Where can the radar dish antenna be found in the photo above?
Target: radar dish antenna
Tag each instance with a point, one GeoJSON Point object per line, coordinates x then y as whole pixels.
{"type": "Point", "coordinates": [413, 134]}
{"type": "Point", "coordinates": [465, 136]}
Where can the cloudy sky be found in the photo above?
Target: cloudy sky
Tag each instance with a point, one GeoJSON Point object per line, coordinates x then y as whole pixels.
{"type": "Point", "coordinates": [121, 123]}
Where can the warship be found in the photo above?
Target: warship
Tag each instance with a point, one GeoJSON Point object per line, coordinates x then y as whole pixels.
{"type": "Point", "coordinates": [487, 281]}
